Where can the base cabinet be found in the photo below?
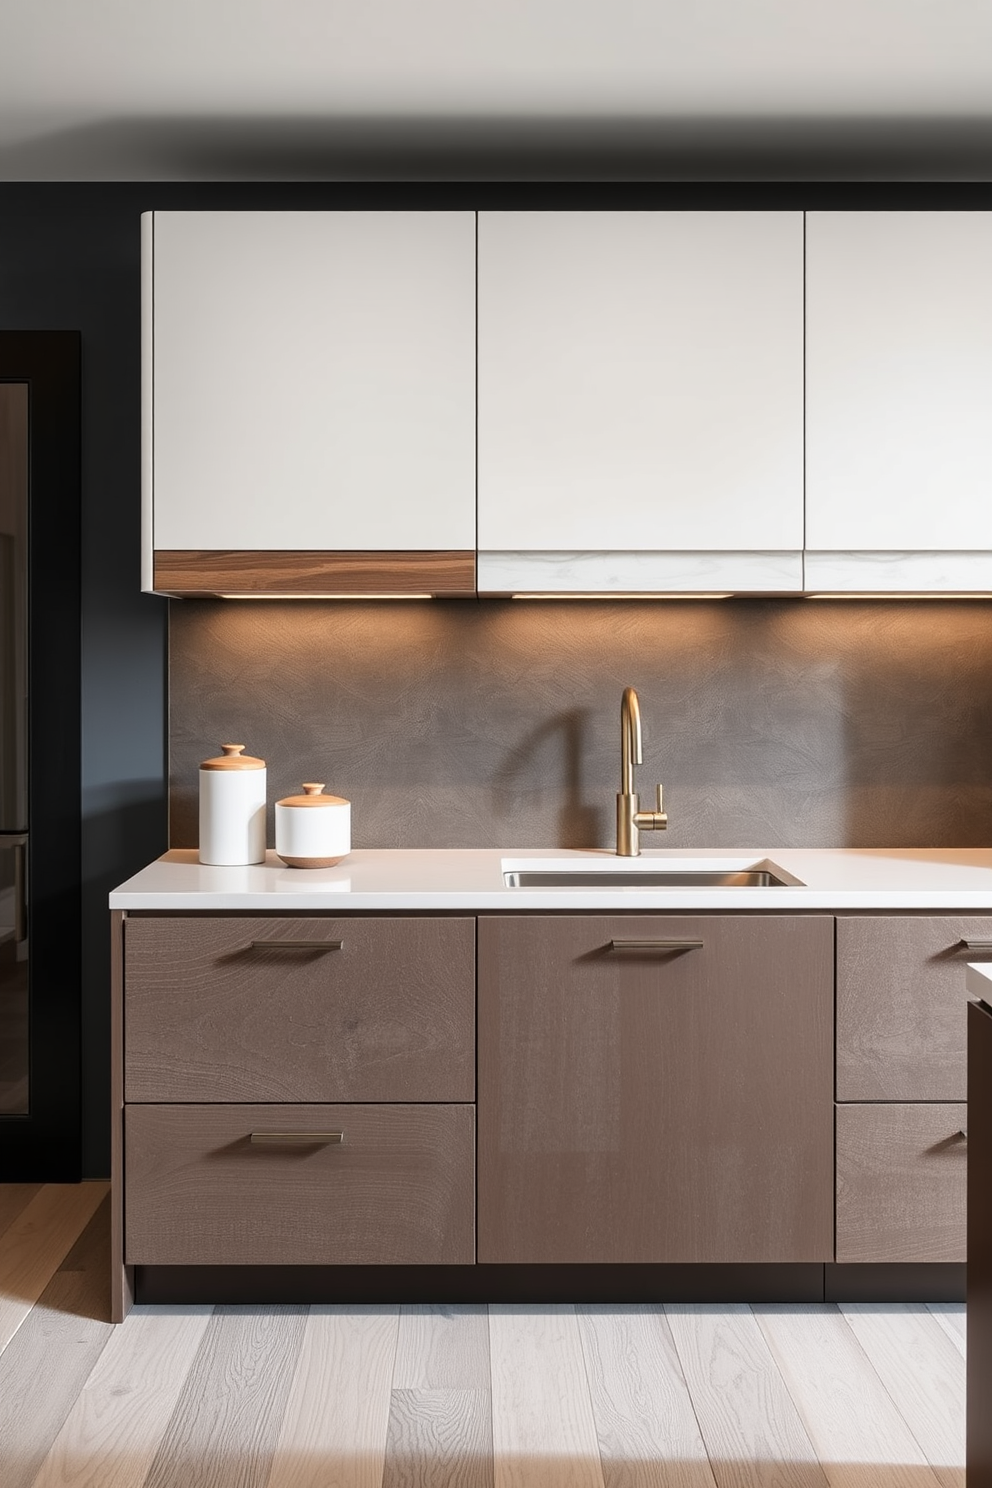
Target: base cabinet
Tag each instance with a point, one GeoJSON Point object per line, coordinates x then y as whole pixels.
{"type": "Point", "coordinates": [902, 1085]}
{"type": "Point", "coordinates": [263, 1185]}
{"type": "Point", "coordinates": [655, 1089]}
{"type": "Point", "coordinates": [901, 1180]}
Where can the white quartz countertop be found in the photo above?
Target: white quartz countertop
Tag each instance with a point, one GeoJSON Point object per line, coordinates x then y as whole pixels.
{"type": "Point", "coordinates": [472, 879]}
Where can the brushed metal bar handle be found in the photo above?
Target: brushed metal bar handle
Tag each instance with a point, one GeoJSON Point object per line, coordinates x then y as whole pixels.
{"type": "Point", "coordinates": [963, 1133]}
{"type": "Point", "coordinates": [976, 945]}
{"type": "Point", "coordinates": [297, 1139]}
{"type": "Point", "coordinates": [656, 945]}
{"type": "Point", "coordinates": [297, 945]}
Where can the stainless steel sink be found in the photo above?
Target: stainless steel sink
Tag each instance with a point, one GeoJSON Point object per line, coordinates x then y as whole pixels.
{"type": "Point", "coordinates": [644, 878]}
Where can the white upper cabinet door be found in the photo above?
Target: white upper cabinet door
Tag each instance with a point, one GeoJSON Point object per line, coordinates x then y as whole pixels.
{"type": "Point", "coordinates": [640, 396]}
{"type": "Point", "coordinates": [899, 400]}
{"type": "Point", "coordinates": [311, 380]}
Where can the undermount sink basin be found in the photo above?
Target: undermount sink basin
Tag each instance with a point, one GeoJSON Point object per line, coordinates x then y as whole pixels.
{"type": "Point", "coordinates": [761, 875]}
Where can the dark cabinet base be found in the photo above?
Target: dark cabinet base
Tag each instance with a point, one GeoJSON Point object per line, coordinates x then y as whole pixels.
{"type": "Point", "coordinates": [801, 1282]}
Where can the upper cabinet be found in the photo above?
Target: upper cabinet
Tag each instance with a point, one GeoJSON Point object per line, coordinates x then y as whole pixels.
{"type": "Point", "coordinates": [309, 402]}
{"type": "Point", "coordinates": [898, 390]}
{"type": "Point", "coordinates": [314, 383]}
{"type": "Point", "coordinates": [640, 401]}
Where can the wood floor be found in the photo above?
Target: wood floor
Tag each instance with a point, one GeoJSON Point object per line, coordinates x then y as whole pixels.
{"type": "Point", "coordinates": [453, 1397]}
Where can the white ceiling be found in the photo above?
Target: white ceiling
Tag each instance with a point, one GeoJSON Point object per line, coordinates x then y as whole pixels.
{"type": "Point", "coordinates": [103, 88]}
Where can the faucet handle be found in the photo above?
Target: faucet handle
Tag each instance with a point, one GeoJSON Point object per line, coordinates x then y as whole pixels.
{"type": "Point", "coordinates": [660, 820]}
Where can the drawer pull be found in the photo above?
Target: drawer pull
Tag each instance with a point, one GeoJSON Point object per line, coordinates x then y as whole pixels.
{"type": "Point", "coordinates": [963, 1133]}
{"type": "Point", "coordinates": [297, 1139]}
{"type": "Point", "coordinates": [297, 945]}
{"type": "Point", "coordinates": [976, 945]}
{"type": "Point", "coordinates": [656, 945]}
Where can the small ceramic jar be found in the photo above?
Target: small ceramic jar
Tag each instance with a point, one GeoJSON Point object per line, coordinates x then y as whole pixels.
{"type": "Point", "coordinates": [313, 830]}
{"type": "Point", "coordinates": [232, 808]}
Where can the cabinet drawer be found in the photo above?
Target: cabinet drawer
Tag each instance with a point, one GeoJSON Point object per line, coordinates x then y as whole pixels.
{"type": "Point", "coordinates": [217, 1010]}
{"type": "Point", "coordinates": [398, 1190]}
{"type": "Point", "coordinates": [901, 1181]}
{"type": "Point", "coordinates": [901, 1004]}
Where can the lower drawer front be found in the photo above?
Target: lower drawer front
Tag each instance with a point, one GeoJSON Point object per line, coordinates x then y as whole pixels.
{"type": "Point", "coordinates": [901, 1182]}
{"type": "Point", "coordinates": [398, 1190]}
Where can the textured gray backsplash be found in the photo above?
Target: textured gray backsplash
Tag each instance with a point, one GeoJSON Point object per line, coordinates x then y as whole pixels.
{"type": "Point", "coordinates": [462, 724]}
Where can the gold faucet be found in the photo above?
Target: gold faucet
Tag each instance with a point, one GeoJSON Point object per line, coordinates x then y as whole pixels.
{"type": "Point", "coordinates": [630, 820]}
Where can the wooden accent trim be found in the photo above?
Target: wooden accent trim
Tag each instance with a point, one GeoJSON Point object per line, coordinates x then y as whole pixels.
{"type": "Point", "coordinates": [190, 573]}
{"type": "Point", "coordinates": [121, 1276]}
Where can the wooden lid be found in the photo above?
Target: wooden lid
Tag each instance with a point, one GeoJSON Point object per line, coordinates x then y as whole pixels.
{"type": "Point", "coordinates": [313, 797]}
{"type": "Point", "coordinates": [233, 758]}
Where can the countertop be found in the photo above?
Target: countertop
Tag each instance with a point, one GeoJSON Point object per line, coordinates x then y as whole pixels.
{"type": "Point", "coordinates": [938, 879]}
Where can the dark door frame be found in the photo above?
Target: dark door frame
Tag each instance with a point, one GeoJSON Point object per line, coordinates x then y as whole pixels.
{"type": "Point", "coordinates": [46, 1144]}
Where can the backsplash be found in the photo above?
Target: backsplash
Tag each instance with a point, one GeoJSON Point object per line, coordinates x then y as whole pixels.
{"type": "Point", "coordinates": [496, 723]}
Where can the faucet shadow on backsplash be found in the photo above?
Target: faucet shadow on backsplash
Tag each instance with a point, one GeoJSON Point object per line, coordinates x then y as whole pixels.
{"type": "Point", "coordinates": [580, 823]}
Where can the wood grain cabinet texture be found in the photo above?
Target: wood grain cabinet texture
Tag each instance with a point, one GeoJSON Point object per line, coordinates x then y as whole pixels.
{"type": "Point", "coordinates": [902, 1085]}
{"type": "Point", "coordinates": [655, 1104]}
{"type": "Point", "coordinates": [235, 1028]}
{"type": "Point", "coordinates": [397, 1189]}
{"type": "Point", "coordinates": [300, 1009]}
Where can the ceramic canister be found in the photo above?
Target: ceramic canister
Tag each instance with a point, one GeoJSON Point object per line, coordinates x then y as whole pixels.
{"type": "Point", "coordinates": [313, 830]}
{"type": "Point", "coordinates": [232, 808]}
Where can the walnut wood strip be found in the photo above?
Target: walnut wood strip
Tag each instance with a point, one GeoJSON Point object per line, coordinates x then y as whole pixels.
{"type": "Point", "coordinates": [334, 1428]}
{"type": "Point", "coordinates": [190, 573]}
{"type": "Point", "coordinates": [648, 1433]}
{"type": "Point", "coordinates": [121, 1415]}
{"type": "Point", "coordinates": [36, 1243]}
{"type": "Point", "coordinates": [225, 1426]}
{"type": "Point", "coordinates": [923, 1370]}
{"type": "Point", "coordinates": [856, 1429]}
{"type": "Point", "coordinates": [121, 1276]}
{"type": "Point", "coordinates": [747, 1417]}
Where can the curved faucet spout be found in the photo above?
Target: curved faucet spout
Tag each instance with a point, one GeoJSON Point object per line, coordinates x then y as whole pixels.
{"type": "Point", "coordinates": [631, 752]}
{"type": "Point", "coordinates": [631, 820]}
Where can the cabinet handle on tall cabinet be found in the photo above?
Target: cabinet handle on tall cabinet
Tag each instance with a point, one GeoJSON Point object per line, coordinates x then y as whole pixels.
{"type": "Point", "coordinates": [656, 945]}
{"type": "Point", "coordinates": [297, 1139]}
{"type": "Point", "coordinates": [297, 945]}
{"type": "Point", "coordinates": [976, 945]}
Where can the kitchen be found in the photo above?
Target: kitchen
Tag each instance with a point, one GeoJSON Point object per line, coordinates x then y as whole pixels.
{"type": "Point", "coordinates": [847, 720]}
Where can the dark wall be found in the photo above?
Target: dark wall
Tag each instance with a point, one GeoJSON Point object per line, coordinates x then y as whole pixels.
{"type": "Point", "coordinates": [69, 258]}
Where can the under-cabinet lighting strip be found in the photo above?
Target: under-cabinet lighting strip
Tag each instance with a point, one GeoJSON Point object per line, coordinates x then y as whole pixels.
{"type": "Point", "coordinates": [608, 594]}
{"type": "Point", "coordinates": [248, 594]}
{"type": "Point", "coordinates": [619, 594]}
{"type": "Point", "coordinates": [901, 594]}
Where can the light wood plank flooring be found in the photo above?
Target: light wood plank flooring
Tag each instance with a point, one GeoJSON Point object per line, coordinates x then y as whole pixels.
{"type": "Point", "coordinates": [453, 1397]}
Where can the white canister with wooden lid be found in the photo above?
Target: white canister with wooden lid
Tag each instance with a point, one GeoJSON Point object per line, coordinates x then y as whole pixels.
{"type": "Point", "coordinates": [232, 808]}
{"type": "Point", "coordinates": [313, 830]}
